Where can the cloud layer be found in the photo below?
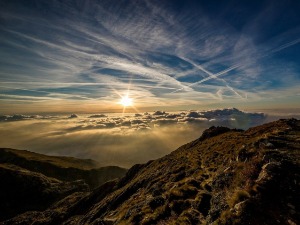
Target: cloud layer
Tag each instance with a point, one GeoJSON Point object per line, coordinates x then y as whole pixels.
{"type": "Point", "coordinates": [114, 139]}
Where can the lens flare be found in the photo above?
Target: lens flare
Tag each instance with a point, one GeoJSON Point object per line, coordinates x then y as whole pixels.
{"type": "Point", "coordinates": [126, 101]}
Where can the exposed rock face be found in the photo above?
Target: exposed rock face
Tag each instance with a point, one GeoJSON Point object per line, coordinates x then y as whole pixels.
{"type": "Point", "coordinates": [224, 177]}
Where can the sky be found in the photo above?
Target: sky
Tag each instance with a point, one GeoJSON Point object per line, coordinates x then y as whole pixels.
{"type": "Point", "coordinates": [83, 56]}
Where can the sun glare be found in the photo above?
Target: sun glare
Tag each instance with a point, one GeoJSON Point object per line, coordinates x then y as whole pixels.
{"type": "Point", "coordinates": [126, 101]}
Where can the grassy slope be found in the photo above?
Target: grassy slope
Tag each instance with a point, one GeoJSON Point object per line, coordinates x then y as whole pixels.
{"type": "Point", "coordinates": [205, 180]}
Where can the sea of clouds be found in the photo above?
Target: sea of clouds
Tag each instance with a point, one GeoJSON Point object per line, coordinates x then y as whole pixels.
{"type": "Point", "coordinates": [116, 139]}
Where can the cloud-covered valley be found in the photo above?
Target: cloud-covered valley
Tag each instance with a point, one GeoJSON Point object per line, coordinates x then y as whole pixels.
{"type": "Point", "coordinates": [116, 139]}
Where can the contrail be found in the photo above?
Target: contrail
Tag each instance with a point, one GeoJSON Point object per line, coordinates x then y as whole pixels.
{"type": "Point", "coordinates": [286, 45]}
{"type": "Point", "coordinates": [211, 75]}
{"type": "Point", "coordinates": [214, 76]}
{"type": "Point", "coordinates": [198, 66]}
{"type": "Point", "coordinates": [234, 91]}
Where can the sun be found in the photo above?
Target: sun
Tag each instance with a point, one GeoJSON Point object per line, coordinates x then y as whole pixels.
{"type": "Point", "coordinates": [126, 101]}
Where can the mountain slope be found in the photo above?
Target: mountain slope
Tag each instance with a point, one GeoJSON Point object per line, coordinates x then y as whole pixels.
{"type": "Point", "coordinates": [224, 177]}
{"type": "Point", "coordinates": [23, 190]}
{"type": "Point", "coordinates": [31, 181]}
{"type": "Point", "coordinates": [8, 154]}
{"type": "Point", "coordinates": [60, 167]}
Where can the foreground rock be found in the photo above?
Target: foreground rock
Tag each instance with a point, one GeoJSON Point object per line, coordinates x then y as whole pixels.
{"type": "Point", "coordinates": [224, 177]}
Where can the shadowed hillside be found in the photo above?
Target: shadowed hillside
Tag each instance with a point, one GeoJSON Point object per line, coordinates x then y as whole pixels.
{"type": "Point", "coordinates": [227, 176]}
{"type": "Point", "coordinates": [32, 181]}
{"type": "Point", "coordinates": [62, 168]}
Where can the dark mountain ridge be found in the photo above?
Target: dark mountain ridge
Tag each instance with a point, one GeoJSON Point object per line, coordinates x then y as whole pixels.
{"type": "Point", "coordinates": [32, 181]}
{"type": "Point", "coordinates": [61, 167]}
{"type": "Point", "coordinates": [227, 176]}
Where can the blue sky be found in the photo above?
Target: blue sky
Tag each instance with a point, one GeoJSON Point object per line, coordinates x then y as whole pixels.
{"type": "Point", "coordinates": [83, 56]}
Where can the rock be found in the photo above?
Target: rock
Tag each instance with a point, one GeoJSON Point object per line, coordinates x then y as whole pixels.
{"type": "Point", "coordinates": [267, 171]}
{"type": "Point", "coordinates": [269, 145]}
{"type": "Point", "coordinates": [239, 207]}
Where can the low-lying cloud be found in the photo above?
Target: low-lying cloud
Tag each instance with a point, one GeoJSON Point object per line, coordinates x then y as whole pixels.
{"type": "Point", "coordinates": [114, 139]}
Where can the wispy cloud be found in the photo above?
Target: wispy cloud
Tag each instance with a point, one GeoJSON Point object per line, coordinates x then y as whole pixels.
{"type": "Point", "coordinates": [90, 51]}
